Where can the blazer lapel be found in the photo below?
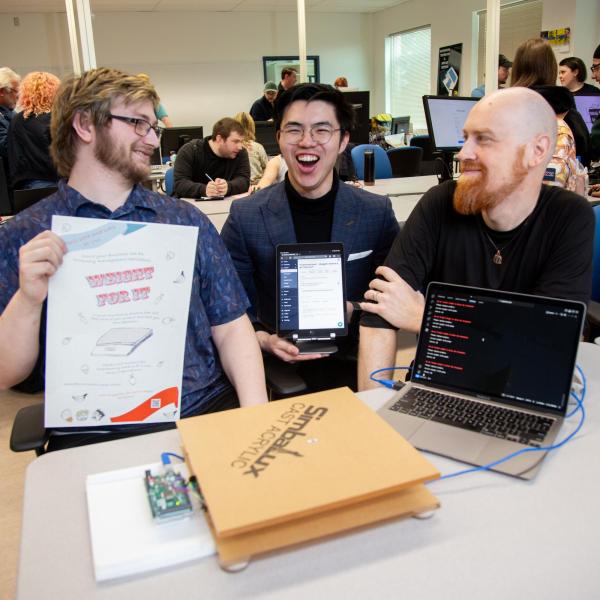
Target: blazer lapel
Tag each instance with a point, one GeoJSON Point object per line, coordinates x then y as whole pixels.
{"type": "Point", "coordinates": [278, 217]}
{"type": "Point", "coordinates": [346, 215]}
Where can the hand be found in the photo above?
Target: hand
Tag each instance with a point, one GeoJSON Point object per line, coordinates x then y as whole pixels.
{"type": "Point", "coordinates": [212, 190]}
{"type": "Point", "coordinates": [38, 261]}
{"type": "Point", "coordinates": [222, 186]}
{"type": "Point", "coordinates": [594, 190]}
{"type": "Point", "coordinates": [395, 301]}
{"type": "Point", "coordinates": [282, 349]}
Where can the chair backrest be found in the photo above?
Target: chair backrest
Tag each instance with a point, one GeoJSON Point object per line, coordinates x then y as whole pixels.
{"type": "Point", "coordinates": [383, 168]}
{"type": "Point", "coordinates": [423, 141]}
{"type": "Point", "coordinates": [169, 176]}
{"type": "Point", "coordinates": [25, 198]}
{"type": "Point", "coordinates": [596, 263]}
{"type": "Point", "coordinates": [405, 161]}
{"type": "Point", "coordinates": [5, 202]}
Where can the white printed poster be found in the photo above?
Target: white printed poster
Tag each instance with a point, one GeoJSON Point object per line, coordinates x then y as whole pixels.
{"type": "Point", "coordinates": [117, 319]}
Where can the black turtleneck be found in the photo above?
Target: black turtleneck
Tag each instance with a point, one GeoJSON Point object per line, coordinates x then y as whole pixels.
{"type": "Point", "coordinates": [312, 218]}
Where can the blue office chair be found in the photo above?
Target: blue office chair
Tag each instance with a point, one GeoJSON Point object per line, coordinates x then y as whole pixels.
{"type": "Point", "coordinates": [169, 175]}
{"type": "Point", "coordinates": [405, 161]}
{"type": "Point", "coordinates": [383, 168]}
{"type": "Point", "coordinates": [593, 314]}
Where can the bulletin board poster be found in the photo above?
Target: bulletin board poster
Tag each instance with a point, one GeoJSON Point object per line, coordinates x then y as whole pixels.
{"type": "Point", "coordinates": [116, 325]}
{"type": "Point", "coordinates": [449, 70]}
{"type": "Point", "coordinates": [559, 39]}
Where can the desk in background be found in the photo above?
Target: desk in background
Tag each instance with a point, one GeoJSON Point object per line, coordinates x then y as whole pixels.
{"type": "Point", "coordinates": [494, 537]}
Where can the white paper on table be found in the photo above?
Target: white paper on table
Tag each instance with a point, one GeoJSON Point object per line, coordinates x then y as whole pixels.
{"type": "Point", "coordinates": [117, 319]}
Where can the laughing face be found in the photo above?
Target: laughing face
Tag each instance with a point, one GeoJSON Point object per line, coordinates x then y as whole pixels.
{"type": "Point", "coordinates": [310, 162]}
{"type": "Point", "coordinates": [121, 149]}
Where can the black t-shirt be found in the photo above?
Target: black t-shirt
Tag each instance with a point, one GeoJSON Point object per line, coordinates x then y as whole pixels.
{"type": "Point", "coordinates": [549, 254]}
{"type": "Point", "coordinates": [587, 90]}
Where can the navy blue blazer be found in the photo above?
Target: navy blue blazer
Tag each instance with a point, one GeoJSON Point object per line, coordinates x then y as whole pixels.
{"type": "Point", "coordinates": [363, 222]}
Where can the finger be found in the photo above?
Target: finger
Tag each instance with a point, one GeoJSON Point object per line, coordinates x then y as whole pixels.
{"type": "Point", "coordinates": [44, 254]}
{"type": "Point", "coordinates": [35, 271]}
{"type": "Point", "coordinates": [370, 307]}
{"type": "Point", "coordinates": [388, 273]}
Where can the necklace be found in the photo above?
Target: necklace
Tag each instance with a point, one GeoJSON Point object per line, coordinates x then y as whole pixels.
{"type": "Point", "coordinates": [497, 258]}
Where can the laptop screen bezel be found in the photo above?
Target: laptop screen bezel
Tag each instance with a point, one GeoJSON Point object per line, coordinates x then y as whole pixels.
{"type": "Point", "coordinates": [436, 286]}
{"type": "Point", "coordinates": [307, 249]}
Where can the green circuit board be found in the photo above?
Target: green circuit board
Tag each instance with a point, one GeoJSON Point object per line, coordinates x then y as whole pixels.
{"type": "Point", "coordinates": [168, 495]}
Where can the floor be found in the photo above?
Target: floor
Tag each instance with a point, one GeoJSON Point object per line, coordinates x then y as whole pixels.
{"type": "Point", "coordinates": [13, 465]}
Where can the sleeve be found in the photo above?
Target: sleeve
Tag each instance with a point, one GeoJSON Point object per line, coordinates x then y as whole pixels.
{"type": "Point", "coordinates": [568, 270]}
{"type": "Point", "coordinates": [9, 266]}
{"type": "Point", "coordinates": [233, 237]}
{"type": "Point", "coordinates": [389, 231]}
{"type": "Point", "coordinates": [161, 112]}
{"type": "Point", "coordinates": [240, 179]}
{"type": "Point", "coordinates": [4, 123]}
{"type": "Point", "coordinates": [256, 112]}
{"type": "Point", "coordinates": [563, 159]}
{"type": "Point", "coordinates": [184, 185]}
{"type": "Point", "coordinates": [221, 291]}
{"type": "Point", "coordinates": [595, 140]}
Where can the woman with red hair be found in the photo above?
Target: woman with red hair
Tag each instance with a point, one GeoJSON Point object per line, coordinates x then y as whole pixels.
{"type": "Point", "coordinates": [29, 159]}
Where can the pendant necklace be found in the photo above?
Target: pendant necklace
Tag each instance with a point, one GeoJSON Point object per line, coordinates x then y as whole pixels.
{"type": "Point", "coordinates": [498, 258]}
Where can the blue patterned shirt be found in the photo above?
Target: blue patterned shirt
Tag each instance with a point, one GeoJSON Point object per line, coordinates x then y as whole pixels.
{"type": "Point", "coordinates": [217, 294]}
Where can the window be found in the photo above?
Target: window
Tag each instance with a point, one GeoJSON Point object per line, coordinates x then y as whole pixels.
{"type": "Point", "coordinates": [408, 74]}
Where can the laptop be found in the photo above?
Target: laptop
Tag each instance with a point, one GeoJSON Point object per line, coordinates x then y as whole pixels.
{"type": "Point", "coordinates": [492, 375]}
{"type": "Point", "coordinates": [311, 296]}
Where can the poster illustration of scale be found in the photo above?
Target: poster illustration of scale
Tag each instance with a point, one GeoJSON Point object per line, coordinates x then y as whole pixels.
{"type": "Point", "coordinates": [117, 318]}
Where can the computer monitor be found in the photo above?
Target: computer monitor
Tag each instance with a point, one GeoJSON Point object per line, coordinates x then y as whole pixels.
{"type": "Point", "coordinates": [589, 108]}
{"type": "Point", "coordinates": [265, 135]}
{"type": "Point", "coordinates": [400, 125]}
{"type": "Point", "coordinates": [174, 137]}
{"type": "Point", "coordinates": [362, 119]}
{"type": "Point", "coordinates": [446, 116]}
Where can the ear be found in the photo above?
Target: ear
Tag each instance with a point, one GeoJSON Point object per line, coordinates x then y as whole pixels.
{"type": "Point", "coordinates": [83, 126]}
{"type": "Point", "coordinates": [344, 141]}
{"type": "Point", "coordinates": [539, 150]}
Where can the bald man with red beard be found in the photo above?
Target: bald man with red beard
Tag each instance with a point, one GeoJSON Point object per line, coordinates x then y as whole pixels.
{"type": "Point", "coordinates": [496, 227]}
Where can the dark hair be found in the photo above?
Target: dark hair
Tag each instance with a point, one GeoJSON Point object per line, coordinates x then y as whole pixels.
{"type": "Point", "coordinates": [287, 71]}
{"type": "Point", "coordinates": [557, 96]}
{"type": "Point", "coordinates": [597, 53]}
{"type": "Point", "coordinates": [311, 92]}
{"type": "Point", "coordinates": [575, 64]}
{"type": "Point", "coordinates": [225, 127]}
{"type": "Point", "coordinates": [534, 64]}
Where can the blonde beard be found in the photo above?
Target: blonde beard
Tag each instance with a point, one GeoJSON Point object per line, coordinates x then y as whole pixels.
{"type": "Point", "coordinates": [471, 196]}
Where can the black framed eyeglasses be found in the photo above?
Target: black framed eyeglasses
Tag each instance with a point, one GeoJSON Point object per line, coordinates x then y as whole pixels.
{"type": "Point", "coordinates": [321, 134]}
{"type": "Point", "coordinates": [141, 126]}
{"type": "Point", "coordinates": [594, 68]}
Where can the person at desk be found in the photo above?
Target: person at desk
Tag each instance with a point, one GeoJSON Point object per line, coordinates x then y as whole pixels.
{"type": "Point", "coordinates": [311, 205]}
{"type": "Point", "coordinates": [262, 109]}
{"type": "Point", "coordinates": [104, 132]}
{"type": "Point", "coordinates": [214, 167]}
{"type": "Point", "coordinates": [572, 74]}
{"type": "Point", "coordinates": [160, 111]}
{"type": "Point", "coordinates": [595, 132]}
{"type": "Point", "coordinates": [496, 227]}
{"type": "Point", "coordinates": [289, 75]}
{"type": "Point", "coordinates": [504, 66]}
{"type": "Point", "coordinates": [9, 92]}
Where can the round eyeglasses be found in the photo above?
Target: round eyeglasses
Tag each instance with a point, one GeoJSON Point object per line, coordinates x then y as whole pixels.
{"type": "Point", "coordinates": [321, 134]}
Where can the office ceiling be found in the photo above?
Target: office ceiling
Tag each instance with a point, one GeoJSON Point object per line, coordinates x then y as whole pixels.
{"type": "Point", "coordinates": [53, 6]}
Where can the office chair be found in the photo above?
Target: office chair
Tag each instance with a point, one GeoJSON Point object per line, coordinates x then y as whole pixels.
{"type": "Point", "coordinates": [6, 207]}
{"type": "Point", "coordinates": [593, 312]}
{"type": "Point", "coordinates": [383, 168]}
{"type": "Point", "coordinates": [23, 199]}
{"type": "Point", "coordinates": [169, 181]}
{"type": "Point", "coordinates": [405, 161]}
{"type": "Point", "coordinates": [28, 430]}
{"type": "Point", "coordinates": [424, 142]}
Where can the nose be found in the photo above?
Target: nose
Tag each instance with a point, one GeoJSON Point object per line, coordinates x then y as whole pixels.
{"type": "Point", "coordinates": [467, 152]}
{"type": "Point", "coordinates": [306, 139]}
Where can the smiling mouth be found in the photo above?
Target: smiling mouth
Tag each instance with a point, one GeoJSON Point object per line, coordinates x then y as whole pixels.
{"type": "Point", "coordinates": [307, 161]}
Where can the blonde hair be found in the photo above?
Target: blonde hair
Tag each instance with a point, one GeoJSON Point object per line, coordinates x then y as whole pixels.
{"type": "Point", "coordinates": [247, 122]}
{"type": "Point", "coordinates": [91, 93]}
{"type": "Point", "coordinates": [37, 92]}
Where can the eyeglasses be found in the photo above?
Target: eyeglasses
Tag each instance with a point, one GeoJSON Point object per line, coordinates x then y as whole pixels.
{"type": "Point", "coordinates": [142, 127]}
{"type": "Point", "coordinates": [321, 134]}
{"type": "Point", "coordinates": [594, 68]}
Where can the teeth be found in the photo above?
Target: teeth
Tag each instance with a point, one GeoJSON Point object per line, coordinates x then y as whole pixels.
{"type": "Point", "coordinates": [307, 158]}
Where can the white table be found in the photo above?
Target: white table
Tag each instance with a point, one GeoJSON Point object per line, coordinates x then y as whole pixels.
{"type": "Point", "coordinates": [494, 536]}
{"type": "Point", "coordinates": [216, 210]}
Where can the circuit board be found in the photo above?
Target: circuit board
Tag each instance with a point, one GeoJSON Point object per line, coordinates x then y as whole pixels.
{"type": "Point", "coordinates": [168, 495]}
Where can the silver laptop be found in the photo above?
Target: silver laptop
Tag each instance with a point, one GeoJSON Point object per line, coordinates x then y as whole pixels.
{"type": "Point", "coordinates": [492, 375]}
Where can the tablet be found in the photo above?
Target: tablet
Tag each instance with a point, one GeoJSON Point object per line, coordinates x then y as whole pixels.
{"type": "Point", "coordinates": [311, 296]}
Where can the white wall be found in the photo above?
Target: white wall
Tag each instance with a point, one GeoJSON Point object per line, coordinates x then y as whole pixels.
{"type": "Point", "coordinates": [204, 65]}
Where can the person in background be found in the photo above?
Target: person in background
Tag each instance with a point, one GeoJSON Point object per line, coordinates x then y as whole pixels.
{"type": "Point", "coordinates": [9, 92]}
{"type": "Point", "coordinates": [274, 173]}
{"type": "Point", "coordinates": [29, 161]}
{"type": "Point", "coordinates": [341, 82]}
{"type": "Point", "coordinates": [496, 227]}
{"type": "Point", "coordinates": [289, 75]}
{"type": "Point", "coordinates": [256, 153]}
{"type": "Point", "coordinates": [262, 109]}
{"type": "Point", "coordinates": [214, 167]}
{"type": "Point", "coordinates": [572, 74]}
{"type": "Point", "coordinates": [161, 111]}
{"type": "Point", "coordinates": [595, 133]}
{"type": "Point", "coordinates": [504, 66]}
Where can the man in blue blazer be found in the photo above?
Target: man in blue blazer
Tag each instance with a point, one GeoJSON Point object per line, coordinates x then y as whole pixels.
{"type": "Point", "coordinates": [312, 205]}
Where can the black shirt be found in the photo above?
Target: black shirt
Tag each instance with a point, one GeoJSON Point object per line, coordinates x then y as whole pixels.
{"type": "Point", "coordinates": [587, 90]}
{"type": "Point", "coordinates": [549, 254]}
{"type": "Point", "coordinates": [262, 110]}
{"type": "Point", "coordinates": [312, 218]}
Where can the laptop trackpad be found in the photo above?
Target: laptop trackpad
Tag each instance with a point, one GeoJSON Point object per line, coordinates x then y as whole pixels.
{"type": "Point", "coordinates": [449, 441]}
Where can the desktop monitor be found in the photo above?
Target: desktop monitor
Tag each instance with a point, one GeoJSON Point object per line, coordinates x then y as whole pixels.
{"type": "Point", "coordinates": [446, 116]}
{"type": "Point", "coordinates": [400, 125]}
{"type": "Point", "coordinates": [266, 136]}
{"type": "Point", "coordinates": [174, 137]}
{"type": "Point", "coordinates": [362, 119]}
{"type": "Point", "coordinates": [589, 108]}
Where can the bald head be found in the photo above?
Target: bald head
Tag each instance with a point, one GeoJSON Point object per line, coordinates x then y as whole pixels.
{"type": "Point", "coordinates": [523, 114]}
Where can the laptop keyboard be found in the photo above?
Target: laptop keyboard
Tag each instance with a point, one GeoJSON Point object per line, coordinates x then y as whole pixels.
{"type": "Point", "coordinates": [483, 418]}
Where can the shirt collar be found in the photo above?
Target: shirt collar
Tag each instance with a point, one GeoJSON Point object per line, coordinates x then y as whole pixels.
{"type": "Point", "coordinates": [139, 198]}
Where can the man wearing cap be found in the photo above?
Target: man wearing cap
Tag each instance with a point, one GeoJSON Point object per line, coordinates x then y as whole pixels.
{"type": "Point", "coordinates": [262, 109]}
{"type": "Point", "coordinates": [504, 66]}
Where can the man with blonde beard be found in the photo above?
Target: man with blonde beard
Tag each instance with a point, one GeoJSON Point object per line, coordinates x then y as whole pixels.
{"type": "Point", "coordinates": [496, 227]}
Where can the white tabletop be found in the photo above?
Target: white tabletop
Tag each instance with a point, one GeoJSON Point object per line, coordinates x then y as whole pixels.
{"type": "Point", "coordinates": [494, 536]}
